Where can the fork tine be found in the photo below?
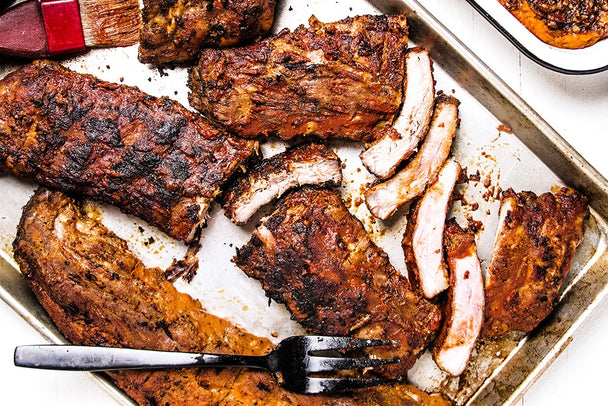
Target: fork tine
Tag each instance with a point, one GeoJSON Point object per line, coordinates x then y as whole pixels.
{"type": "Point", "coordinates": [321, 385]}
{"type": "Point", "coordinates": [321, 343]}
{"type": "Point", "coordinates": [322, 364]}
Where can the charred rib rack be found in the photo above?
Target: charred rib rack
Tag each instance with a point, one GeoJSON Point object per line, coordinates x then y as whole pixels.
{"type": "Point", "coordinates": [149, 156]}
{"type": "Point", "coordinates": [176, 31]}
{"type": "Point", "coordinates": [535, 244]}
{"type": "Point", "coordinates": [341, 79]}
{"type": "Point", "coordinates": [306, 164]}
{"type": "Point", "coordinates": [70, 261]}
{"type": "Point", "coordinates": [315, 257]}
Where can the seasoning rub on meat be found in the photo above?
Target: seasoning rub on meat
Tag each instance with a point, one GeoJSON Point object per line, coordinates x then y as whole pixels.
{"type": "Point", "coordinates": [533, 251]}
{"type": "Point", "coordinates": [305, 164]}
{"type": "Point", "coordinates": [98, 293]}
{"type": "Point", "coordinates": [315, 257]}
{"type": "Point", "coordinates": [342, 80]}
{"type": "Point", "coordinates": [176, 31]}
{"type": "Point", "coordinates": [149, 156]}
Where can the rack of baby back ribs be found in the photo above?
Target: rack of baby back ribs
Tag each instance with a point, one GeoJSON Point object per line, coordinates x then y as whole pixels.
{"type": "Point", "coordinates": [354, 79]}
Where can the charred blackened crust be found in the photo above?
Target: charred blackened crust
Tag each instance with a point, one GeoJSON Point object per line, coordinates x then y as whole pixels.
{"type": "Point", "coordinates": [176, 31]}
{"type": "Point", "coordinates": [149, 156]}
{"type": "Point", "coordinates": [315, 257]}
{"type": "Point", "coordinates": [98, 293]}
{"type": "Point", "coordinates": [342, 79]}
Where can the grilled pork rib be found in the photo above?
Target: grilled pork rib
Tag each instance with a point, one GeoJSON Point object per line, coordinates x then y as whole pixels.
{"type": "Point", "coordinates": [341, 79]}
{"type": "Point", "coordinates": [399, 141]}
{"type": "Point", "coordinates": [385, 198]}
{"type": "Point", "coordinates": [304, 164]}
{"type": "Point", "coordinates": [535, 244]}
{"type": "Point", "coordinates": [149, 156]}
{"type": "Point", "coordinates": [423, 239]}
{"type": "Point", "coordinates": [176, 31]}
{"type": "Point", "coordinates": [463, 314]}
{"type": "Point", "coordinates": [315, 257]}
{"type": "Point", "coordinates": [98, 293]}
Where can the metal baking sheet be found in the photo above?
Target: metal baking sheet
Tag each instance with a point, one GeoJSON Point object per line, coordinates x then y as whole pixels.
{"type": "Point", "coordinates": [592, 59]}
{"type": "Point", "coordinates": [500, 136]}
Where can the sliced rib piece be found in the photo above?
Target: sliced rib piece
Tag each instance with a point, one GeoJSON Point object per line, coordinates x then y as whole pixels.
{"type": "Point", "coordinates": [176, 31]}
{"type": "Point", "coordinates": [315, 257]}
{"type": "Point", "coordinates": [98, 293]}
{"type": "Point", "coordinates": [398, 143]}
{"type": "Point", "coordinates": [535, 243]}
{"type": "Point", "coordinates": [385, 198]}
{"type": "Point", "coordinates": [423, 239]}
{"type": "Point", "coordinates": [341, 79]}
{"type": "Point", "coordinates": [306, 164]}
{"type": "Point", "coordinates": [149, 156]}
{"type": "Point", "coordinates": [463, 313]}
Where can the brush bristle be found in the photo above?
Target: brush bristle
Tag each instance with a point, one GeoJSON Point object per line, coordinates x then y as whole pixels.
{"type": "Point", "coordinates": [110, 23]}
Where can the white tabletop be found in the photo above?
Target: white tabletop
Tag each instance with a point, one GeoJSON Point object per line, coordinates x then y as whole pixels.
{"type": "Point", "coordinates": [576, 106]}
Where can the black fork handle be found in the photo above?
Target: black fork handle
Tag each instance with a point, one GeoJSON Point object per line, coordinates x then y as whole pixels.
{"type": "Point", "coordinates": [95, 359]}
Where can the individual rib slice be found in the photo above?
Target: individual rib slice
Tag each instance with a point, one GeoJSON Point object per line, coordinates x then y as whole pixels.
{"type": "Point", "coordinates": [398, 142]}
{"type": "Point", "coordinates": [98, 293]}
{"type": "Point", "coordinates": [315, 257]}
{"type": "Point", "coordinates": [533, 251]}
{"type": "Point", "coordinates": [385, 198]}
{"type": "Point", "coordinates": [149, 156]}
{"type": "Point", "coordinates": [342, 79]}
{"type": "Point", "coordinates": [423, 239]}
{"type": "Point", "coordinates": [306, 164]}
{"type": "Point", "coordinates": [463, 314]}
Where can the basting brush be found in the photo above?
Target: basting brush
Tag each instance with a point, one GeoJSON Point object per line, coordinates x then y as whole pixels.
{"type": "Point", "coordinates": [44, 28]}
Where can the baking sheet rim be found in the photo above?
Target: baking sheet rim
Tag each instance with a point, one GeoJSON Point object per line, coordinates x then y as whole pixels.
{"type": "Point", "coordinates": [11, 296]}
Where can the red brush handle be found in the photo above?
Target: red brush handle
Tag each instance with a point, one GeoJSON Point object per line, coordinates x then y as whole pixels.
{"type": "Point", "coordinates": [22, 31]}
{"type": "Point", "coordinates": [63, 26]}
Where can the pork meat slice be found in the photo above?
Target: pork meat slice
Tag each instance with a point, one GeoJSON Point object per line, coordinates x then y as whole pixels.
{"type": "Point", "coordinates": [399, 141]}
{"type": "Point", "coordinates": [463, 312]}
{"type": "Point", "coordinates": [315, 257]}
{"type": "Point", "coordinates": [305, 164]}
{"type": "Point", "coordinates": [98, 293]}
{"type": "Point", "coordinates": [383, 199]}
{"type": "Point", "coordinates": [533, 251]}
{"type": "Point", "coordinates": [423, 239]}
{"type": "Point", "coordinates": [149, 156]}
{"type": "Point", "coordinates": [333, 80]}
{"type": "Point", "coordinates": [176, 31]}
